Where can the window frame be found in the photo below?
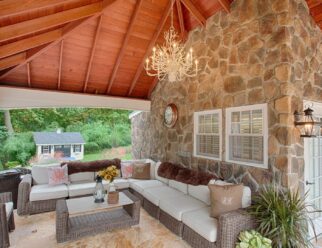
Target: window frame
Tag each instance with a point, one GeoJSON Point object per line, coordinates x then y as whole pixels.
{"type": "Point", "coordinates": [195, 132]}
{"type": "Point", "coordinates": [80, 148]}
{"type": "Point", "coordinates": [48, 147]}
{"type": "Point", "coordinates": [229, 111]}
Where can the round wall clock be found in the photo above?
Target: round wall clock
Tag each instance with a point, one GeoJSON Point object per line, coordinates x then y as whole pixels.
{"type": "Point", "coordinates": [170, 115]}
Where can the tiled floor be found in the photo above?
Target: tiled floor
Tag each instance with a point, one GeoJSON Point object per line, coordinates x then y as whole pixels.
{"type": "Point", "coordinates": [39, 231]}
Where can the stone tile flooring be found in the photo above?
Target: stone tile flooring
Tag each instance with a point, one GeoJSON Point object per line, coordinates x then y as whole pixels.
{"type": "Point", "coordinates": [38, 231]}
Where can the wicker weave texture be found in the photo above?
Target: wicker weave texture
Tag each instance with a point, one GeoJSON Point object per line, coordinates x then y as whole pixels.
{"type": "Point", "coordinates": [196, 240]}
{"type": "Point", "coordinates": [6, 225]}
{"type": "Point", "coordinates": [152, 209]}
{"type": "Point", "coordinates": [171, 223]}
{"type": "Point", "coordinates": [70, 228]}
{"type": "Point", "coordinates": [230, 225]}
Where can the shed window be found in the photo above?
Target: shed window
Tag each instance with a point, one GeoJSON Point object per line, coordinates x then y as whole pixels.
{"type": "Point", "coordinates": [77, 148]}
{"type": "Point", "coordinates": [45, 149]}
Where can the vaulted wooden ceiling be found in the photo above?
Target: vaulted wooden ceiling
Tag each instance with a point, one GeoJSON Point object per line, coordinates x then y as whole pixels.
{"type": "Point", "coordinates": [93, 46]}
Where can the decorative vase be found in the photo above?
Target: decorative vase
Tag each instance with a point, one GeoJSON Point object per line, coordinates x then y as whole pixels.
{"type": "Point", "coordinates": [99, 192]}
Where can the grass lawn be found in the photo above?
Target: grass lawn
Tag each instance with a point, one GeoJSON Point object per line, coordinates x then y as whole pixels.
{"type": "Point", "coordinates": [123, 153]}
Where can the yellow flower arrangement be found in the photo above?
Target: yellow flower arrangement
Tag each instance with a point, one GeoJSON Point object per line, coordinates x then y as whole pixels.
{"type": "Point", "coordinates": [109, 173]}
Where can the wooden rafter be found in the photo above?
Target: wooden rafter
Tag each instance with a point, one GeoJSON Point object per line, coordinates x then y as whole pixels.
{"type": "Point", "coordinates": [225, 4]}
{"type": "Point", "coordinates": [181, 20]}
{"type": "Point", "coordinates": [60, 63]}
{"type": "Point", "coordinates": [194, 11]}
{"type": "Point", "coordinates": [151, 44]}
{"type": "Point", "coordinates": [28, 74]}
{"type": "Point", "coordinates": [124, 45]}
{"type": "Point", "coordinates": [28, 43]}
{"type": "Point", "coordinates": [89, 66]}
{"type": "Point", "coordinates": [67, 30]}
{"type": "Point", "coordinates": [12, 60]}
{"type": "Point", "coordinates": [45, 22]}
{"type": "Point", "coordinates": [14, 7]}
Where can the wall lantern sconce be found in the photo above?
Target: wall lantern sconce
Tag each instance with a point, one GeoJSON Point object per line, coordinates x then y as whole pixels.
{"type": "Point", "coordinates": [307, 123]}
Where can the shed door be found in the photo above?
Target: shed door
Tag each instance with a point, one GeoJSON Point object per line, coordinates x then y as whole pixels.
{"type": "Point", "coordinates": [63, 149]}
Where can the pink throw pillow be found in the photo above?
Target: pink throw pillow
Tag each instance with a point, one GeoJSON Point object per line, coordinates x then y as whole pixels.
{"type": "Point", "coordinates": [127, 170]}
{"type": "Point", "coordinates": [58, 175]}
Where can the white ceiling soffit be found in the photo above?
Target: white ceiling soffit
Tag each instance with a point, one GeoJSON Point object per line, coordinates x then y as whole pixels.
{"type": "Point", "coordinates": [19, 98]}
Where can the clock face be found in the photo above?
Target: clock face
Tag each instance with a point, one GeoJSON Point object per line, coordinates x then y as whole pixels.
{"type": "Point", "coordinates": [170, 115]}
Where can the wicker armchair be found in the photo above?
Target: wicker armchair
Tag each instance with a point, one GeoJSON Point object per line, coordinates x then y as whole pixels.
{"type": "Point", "coordinates": [7, 223]}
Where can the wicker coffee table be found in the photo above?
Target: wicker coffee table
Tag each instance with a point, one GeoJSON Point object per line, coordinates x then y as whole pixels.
{"type": "Point", "coordinates": [79, 217]}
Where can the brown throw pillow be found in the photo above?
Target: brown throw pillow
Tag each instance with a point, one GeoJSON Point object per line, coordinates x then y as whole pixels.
{"type": "Point", "coordinates": [225, 198]}
{"type": "Point", "coordinates": [141, 170]}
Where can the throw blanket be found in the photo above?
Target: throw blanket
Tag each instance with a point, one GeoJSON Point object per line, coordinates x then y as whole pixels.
{"type": "Point", "coordinates": [184, 175]}
{"type": "Point", "coordinates": [93, 166]}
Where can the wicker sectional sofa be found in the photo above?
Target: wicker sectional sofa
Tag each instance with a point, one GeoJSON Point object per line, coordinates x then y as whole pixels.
{"type": "Point", "coordinates": [182, 208]}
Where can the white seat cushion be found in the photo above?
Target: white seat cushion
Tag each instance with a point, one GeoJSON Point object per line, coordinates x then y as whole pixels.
{"type": "Point", "coordinates": [201, 222]}
{"type": "Point", "coordinates": [176, 206]}
{"type": "Point", "coordinates": [84, 188]}
{"type": "Point", "coordinates": [154, 195]}
{"type": "Point", "coordinates": [47, 192]}
{"type": "Point", "coordinates": [9, 209]}
{"type": "Point", "coordinates": [140, 186]}
{"type": "Point", "coordinates": [121, 183]}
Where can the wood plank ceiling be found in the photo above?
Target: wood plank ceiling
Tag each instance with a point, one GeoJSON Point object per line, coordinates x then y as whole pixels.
{"type": "Point", "coordinates": [94, 46]}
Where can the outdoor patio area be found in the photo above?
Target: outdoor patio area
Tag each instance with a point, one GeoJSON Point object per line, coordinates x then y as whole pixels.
{"type": "Point", "coordinates": [161, 123]}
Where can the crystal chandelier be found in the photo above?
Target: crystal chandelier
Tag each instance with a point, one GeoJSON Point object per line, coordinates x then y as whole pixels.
{"type": "Point", "coordinates": [172, 60]}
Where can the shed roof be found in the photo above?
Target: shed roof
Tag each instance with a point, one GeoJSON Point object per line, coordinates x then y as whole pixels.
{"type": "Point", "coordinates": [54, 138]}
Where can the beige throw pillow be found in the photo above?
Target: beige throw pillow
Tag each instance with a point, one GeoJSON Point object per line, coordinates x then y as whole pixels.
{"type": "Point", "coordinates": [225, 198]}
{"type": "Point", "coordinates": [141, 170]}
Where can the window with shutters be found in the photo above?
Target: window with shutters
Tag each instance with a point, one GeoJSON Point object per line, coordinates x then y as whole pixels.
{"type": "Point", "coordinates": [207, 134]}
{"type": "Point", "coordinates": [45, 149]}
{"type": "Point", "coordinates": [247, 135]}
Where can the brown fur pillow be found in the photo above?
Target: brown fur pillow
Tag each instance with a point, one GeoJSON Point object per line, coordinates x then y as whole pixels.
{"type": "Point", "coordinates": [184, 175]}
{"type": "Point", "coordinates": [93, 166]}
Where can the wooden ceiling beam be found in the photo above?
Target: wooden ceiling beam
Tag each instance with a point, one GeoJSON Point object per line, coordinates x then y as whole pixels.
{"type": "Point", "coordinates": [12, 60]}
{"type": "Point", "coordinates": [194, 11]}
{"type": "Point", "coordinates": [67, 30]}
{"type": "Point", "coordinates": [151, 45]}
{"type": "Point", "coordinates": [181, 20]}
{"type": "Point", "coordinates": [124, 46]}
{"type": "Point", "coordinates": [60, 63]}
{"type": "Point", "coordinates": [14, 7]}
{"type": "Point", "coordinates": [225, 4]}
{"type": "Point", "coordinates": [28, 43]}
{"type": "Point", "coordinates": [28, 74]}
{"type": "Point", "coordinates": [90, 62]}
{"type": "Point", "coordinates": [46, 22]}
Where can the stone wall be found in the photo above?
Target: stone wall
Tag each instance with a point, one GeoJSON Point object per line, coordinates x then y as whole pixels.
{"type": "Point", "coordinates": [263, 51]}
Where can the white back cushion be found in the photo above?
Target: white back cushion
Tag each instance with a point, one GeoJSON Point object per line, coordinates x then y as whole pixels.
{"type": "Point", "coordinates": [161, 179]}
{"type": "Point", "coordinates": [40, 173]}
{"type": "Point", "coordinates": [179, 186]}
{"type": "Point", "coordinates": [200, 192]}
{"type": "Point", "coordinates": [81, 177]}
{"type": "Point", "coordinates": [152, 168]}
{"type": "Point", "coordinates": [247, 193]}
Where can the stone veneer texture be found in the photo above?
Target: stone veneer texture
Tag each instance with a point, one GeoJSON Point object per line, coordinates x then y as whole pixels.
{"type": "Point", "coordinates": [263, 51]}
